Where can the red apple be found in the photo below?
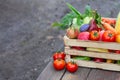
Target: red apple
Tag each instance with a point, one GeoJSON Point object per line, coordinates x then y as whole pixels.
{"type": "Point", "coordinates": [83, 36]}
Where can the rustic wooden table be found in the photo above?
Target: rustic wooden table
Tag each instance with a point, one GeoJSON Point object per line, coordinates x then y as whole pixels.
{"type": "Point", "coordinates": [82, 74]}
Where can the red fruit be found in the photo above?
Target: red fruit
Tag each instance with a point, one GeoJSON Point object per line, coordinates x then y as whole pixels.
{"type": "Point", "coordinates": [59, 55]}
{"type": "Point", "coordinates": [72, 67]}
{"type": "Point", "coordinates": [83, 36]}
{"type": "Point", "coordinates": [98, 60]}
{"type": "Point", "coordinates": [108, 36]}
{"type": "Point", "coordinates": [101, 33]}
{"type": "Point", "coordinates": [117, 51]}
{"type": "Point", "coordinates": [94, 35]}
{"type": "Point", "coordinates": [59, 64]}
{"type": "Point", "coordinates": [72, 32]}
{"type": "Point", "coordinates": [77, 48]}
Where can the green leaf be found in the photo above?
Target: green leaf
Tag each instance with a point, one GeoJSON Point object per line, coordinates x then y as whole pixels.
{"type": "Point", "coordinates": [88, 11]}
{"type": "Point", "coordinates": [74, 10]}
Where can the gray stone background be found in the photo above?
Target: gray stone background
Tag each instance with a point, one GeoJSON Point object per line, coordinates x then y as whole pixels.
{"type": "Point", "coordinates": [27, 40]}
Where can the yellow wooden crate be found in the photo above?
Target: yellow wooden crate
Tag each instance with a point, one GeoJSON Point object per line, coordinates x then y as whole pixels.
{"type": "Point", "coordinates": [95, 44]}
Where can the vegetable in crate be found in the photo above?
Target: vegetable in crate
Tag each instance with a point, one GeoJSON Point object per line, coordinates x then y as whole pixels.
{"type": "Point", "coordinates": [84, 27]}
{"type": "Point", "coordinates": [94, 35]}
{"type": "Point", "coordinates": [108, 36]}
{"type": "Point", "coordinates": [98, 60]}
{"type": "Point", "coordinates": [117, 26]}
{"type": "Point", "coordinates": [72, 32]}
{"type": "Point", "coordinates": [82, 58]}
{"type": "Point", "coordinates": [93, 25]}
{"type": "Point", "coordinates": [117, 38]}
{"type": "Point", "coordinates": [83, 36]}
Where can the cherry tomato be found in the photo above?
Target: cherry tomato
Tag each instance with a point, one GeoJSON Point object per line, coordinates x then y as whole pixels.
{"type": "Point", "coordinates": [59, 64]}
{"type": "Point", "coordinates": [108, 36]}
{"type": "Point", "coordinates": [59, 55]}
{"type": "Point", "coordinates": [72, 67]}
{"type": "Point", "coordinates": [94, 35]}
{"type": "Point", "coordinates": [117, 38]}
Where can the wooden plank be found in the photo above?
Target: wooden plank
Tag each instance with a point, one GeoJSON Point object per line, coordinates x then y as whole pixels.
{"type": "Point", "coordinates": [100, 65]}
{"type": "Point", "coordinates": [81, 74]}
{"type": "Point", "coordinates": [49, 73]}
{"type": "Point", "coordinates": [97, 74]}
{"type": "Point", "coordinates": [92, 54]}
{"type": "Point", "coordinates": [94, 44]}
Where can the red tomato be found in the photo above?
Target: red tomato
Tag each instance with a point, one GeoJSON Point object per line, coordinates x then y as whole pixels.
{"type": "Point", "coordinates": [59, 55]}
{"type": "Point", "coordinates": [59, 64]}
{"type": "Point", "coordinates": [108, 36]}
{"type": "Point", "coordinates": [72, 67]}
{"type": "Point", "coordinates": [78, 48]}
{"type": "Point", "coordinates": [117, 38]}
{"type": "Point", "coordinates": [117, 51]}
{"type": "Point", "coordinates": [94, 35]}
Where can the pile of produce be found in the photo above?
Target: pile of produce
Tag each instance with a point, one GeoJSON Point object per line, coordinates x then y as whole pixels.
{"type": "Point", "coordinates": [59, 63]}
{"type": "Point", "coordinates": [92, 27]}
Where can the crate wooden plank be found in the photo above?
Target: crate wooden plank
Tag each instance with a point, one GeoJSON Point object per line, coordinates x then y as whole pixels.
{"type": "Point", "coordinates": [97, 74]}
{"type": "Point", "coordinates": [94, 44]}
{"type": "Point", "coordinates": [80, 74]}
{"type": "Point", "coordinates": [50, 74]}
{"type": "Point", "coordinates": [100, 65]}
{"type": "Point", "coordinates": [92, 54]}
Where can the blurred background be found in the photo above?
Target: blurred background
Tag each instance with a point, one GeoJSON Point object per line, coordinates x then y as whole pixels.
{"type": "Point", "coordinates": [27, 40]}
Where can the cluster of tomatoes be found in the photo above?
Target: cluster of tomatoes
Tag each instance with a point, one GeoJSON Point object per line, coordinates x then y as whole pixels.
{"type": "Point", "coordinates": [59, 63]}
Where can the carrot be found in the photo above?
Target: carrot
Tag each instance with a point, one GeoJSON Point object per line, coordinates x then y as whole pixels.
{"type": "Point", "coordinates": [109, 20]}
{"type": "Point", "coordinates": [107, 26]}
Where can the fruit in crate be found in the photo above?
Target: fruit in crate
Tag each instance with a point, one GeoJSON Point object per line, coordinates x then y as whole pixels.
{"type": "Point", "coordinates": [98, 60]}
{"type": "Point", "coordinates": [72, 32]}
{"type": "Point", "coordinates": [94, 35]}
{"type": "Point", "coordinates": [117, 26]}
{"type": "Point", "coordinates": [108, 36]}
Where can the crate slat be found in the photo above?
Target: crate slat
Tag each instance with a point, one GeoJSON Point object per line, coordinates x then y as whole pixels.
{"type": "Point", "coordinates": [94, 44]}
{"type": "Point", "coordinates": [92, 54]}
{"type": "Point", "coordinates": [91, 64]}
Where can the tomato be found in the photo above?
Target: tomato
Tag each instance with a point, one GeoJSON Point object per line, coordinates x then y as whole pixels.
{"type": "Point", "coordinates": [59, 64]}
{"type": "Point", "coordinates": [108, 36]}
{"type": "Point", "coordinates": [60, 55]}
{"type": "Point", "coordinates": [94, 35]}
{"type": "Point", "coordinates": [72, 67]}
{"type": "Point", "coordinates": [117, 51]}
{"type": "Point", "coordinates": [78, 48]}
{"type": "Point", "coordinates": [117, 38]}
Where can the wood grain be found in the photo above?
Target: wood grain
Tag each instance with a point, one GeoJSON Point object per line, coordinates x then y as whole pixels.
{"type": "Point", "coordinates": [81, 74]}
{"type": "Point", "coordinates": [50, 74]}
{"type": "Point", "coordinates": [92, 54]}
{"type": "Point", "coordinates": [97, 74]}
{"type": "Point", "coordinates": [94, 44]}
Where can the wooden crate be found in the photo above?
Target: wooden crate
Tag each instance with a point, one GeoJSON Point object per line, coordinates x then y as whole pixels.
{"type": "Point", "coordinates": [95, 44]}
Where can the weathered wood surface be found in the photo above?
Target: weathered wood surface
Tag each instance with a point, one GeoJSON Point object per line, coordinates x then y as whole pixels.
{"type": "Point", "coordinates": [82, 74]}
{"type": "Point", "coordinates": [50, 74]}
